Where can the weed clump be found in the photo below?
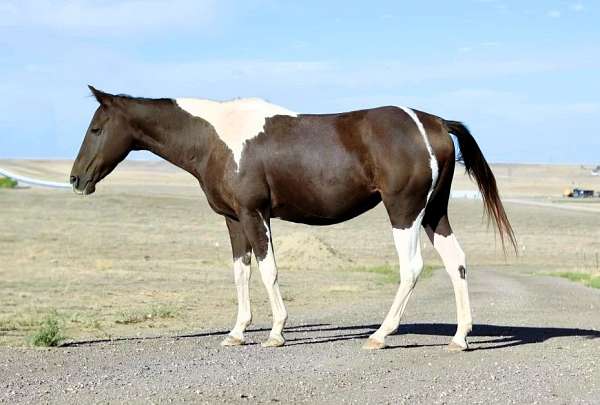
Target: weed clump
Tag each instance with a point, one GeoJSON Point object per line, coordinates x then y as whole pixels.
{"type": "Point", "coordinates": [49, 333]}
{"type": "Point", "coordinates": [7, 182]}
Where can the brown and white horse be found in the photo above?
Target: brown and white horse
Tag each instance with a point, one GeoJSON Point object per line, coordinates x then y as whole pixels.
{"type": "Point", "coordinates": [256, 161]}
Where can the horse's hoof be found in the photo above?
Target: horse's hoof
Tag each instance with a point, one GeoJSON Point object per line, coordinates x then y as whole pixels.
{"type": "Point", "coordinates": [273, 342]}
{"type": "Point", "coordinates": [455, 347]}
{"type": "Point", "coordinates": [232, 341]}
{"type": "Point", "coordinates": [373, 344]}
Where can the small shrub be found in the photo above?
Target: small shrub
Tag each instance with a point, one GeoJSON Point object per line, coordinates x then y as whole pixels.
{"type": "Point", "coordinates": [49, 334]}
{"type": "Point", "coordinates": [7, 182]}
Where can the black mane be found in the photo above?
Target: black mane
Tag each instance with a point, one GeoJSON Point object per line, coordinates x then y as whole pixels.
{"type": "Point", "coordinates": [144, 99]}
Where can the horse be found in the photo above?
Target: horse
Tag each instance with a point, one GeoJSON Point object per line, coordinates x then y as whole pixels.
{"type": "Point", "coordinates": [256, 161]}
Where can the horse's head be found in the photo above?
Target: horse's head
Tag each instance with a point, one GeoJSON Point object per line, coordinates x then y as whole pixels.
{"type": "Point", "coordinates": [108, 140]}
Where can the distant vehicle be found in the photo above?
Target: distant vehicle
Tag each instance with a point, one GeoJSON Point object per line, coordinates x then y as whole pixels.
{"type": "Point", "coordinates": [596, 171]}
{"type": "Point", "coordinates": [578, 193]}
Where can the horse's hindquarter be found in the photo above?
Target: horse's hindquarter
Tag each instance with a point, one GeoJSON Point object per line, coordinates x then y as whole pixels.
{"type": "Point", "coordinates": [324, 169]}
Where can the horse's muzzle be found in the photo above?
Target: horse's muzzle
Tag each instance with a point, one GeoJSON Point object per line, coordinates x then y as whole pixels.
{"type": "Point", "coordinates": [74, 181]}
{"type": "Point", "coordinates": [83, 187]}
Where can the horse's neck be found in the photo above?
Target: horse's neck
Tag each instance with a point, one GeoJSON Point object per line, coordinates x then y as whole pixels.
{"type": "Point", "coordinates": [180, 144]}
{"type": "Point", "coordinates": [194, 146]}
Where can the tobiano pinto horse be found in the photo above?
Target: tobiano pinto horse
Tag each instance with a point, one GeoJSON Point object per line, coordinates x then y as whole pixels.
{"type": "Point", "coordinates": [256, 161]}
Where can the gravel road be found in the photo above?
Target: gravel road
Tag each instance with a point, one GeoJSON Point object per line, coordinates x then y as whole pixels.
{"type": "Point", "coordinates": [535, 340]}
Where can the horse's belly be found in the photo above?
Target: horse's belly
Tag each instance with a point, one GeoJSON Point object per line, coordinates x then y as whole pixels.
{"type": "Point", "coordinates": [323, 208]}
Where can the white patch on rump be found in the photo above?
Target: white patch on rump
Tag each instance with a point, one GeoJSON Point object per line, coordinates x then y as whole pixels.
{"type": "Point", "coordinates": [235, 121]}
{"type": "Point", "coordinates": [432, 160]}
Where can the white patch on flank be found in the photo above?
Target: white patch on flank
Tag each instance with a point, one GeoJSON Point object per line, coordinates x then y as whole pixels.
{"type": "Point", "coordinates": [241, 273]}
{"type": "Point", "coordinates": [268, 273]}
{"type": "Point", "coordinates": [432, 160]}
{"type": "Point", "coordinates": [235, 121]}
{"type": "Point", "coordinates": [453, 257]}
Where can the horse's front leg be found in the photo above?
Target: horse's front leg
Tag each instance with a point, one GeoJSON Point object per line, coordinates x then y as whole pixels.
{"type": "Point", "coordinates": [258, 230]}
{"type": "Point", "coordinates": [242, 252]}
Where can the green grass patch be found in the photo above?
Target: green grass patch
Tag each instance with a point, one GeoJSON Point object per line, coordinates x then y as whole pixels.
{"type": "Point", "coordinates": [7, 182]}
{"type": "Point", "coordinates": [391, 274]}
{"type": "Point", "coordinates": [50, 332]}
{"type": "Point", "coordinates": [427, 272]}
{"type": "Point", "coordinates": [584, 278]}
{"type": "Point", "coordinates": [159, 312]}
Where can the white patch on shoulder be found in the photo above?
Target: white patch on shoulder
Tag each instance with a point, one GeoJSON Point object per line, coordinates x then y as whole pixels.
{"type": "Point", "coordinates": [235, 121]}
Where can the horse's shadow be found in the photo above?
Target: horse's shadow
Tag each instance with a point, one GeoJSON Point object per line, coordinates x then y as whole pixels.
{"type": "Point", "coordinates": [483, 336]}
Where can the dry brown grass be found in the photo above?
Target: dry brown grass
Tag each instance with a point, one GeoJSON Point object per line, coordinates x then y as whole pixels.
{"type": "Point", "coordinates": [148, 240]}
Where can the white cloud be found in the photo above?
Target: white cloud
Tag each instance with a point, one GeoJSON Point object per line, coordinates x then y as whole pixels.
{"type": "Point", "coordinates": [553, 14]}
{"type": "Point", "coordinates": [111, 18]}
{"type": "Point", "coordinates": [577, 7]}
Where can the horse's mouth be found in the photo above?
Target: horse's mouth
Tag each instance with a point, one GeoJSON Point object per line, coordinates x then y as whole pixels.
{"type": "Point", "coordinates": [89, 188]}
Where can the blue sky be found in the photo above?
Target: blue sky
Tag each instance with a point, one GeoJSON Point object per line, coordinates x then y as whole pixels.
{"type": "Point", "coordinates": [523, 75]}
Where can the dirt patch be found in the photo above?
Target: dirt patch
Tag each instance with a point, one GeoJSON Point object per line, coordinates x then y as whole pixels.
{"type": "Point", "coordinates": [300, 251]}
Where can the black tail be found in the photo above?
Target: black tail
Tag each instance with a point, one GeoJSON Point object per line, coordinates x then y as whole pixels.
{"type": "Point", "coordinates": [478, 168]}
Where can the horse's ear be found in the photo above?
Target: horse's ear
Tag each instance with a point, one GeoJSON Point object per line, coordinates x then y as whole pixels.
{"type": "Point", "coordinates": [103, 98]}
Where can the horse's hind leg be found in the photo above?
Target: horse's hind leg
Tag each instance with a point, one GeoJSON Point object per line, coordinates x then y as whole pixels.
{"type": "Point", "coordinates": [406, 218]}
{"type": "Point", "coordinates": [453, 257]}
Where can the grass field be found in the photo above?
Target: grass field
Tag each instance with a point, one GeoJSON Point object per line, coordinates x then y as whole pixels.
{"type": "Point", "coordinates": [130, 260]}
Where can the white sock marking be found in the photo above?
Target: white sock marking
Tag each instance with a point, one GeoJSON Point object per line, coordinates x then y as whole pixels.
{"type": "Point", "coordinates": [408, 246]}
{"type": "Point", "coordinates": [268, 272]}
{"type": "Point", "coordinates": [235, 121]}
{"type": "Point", "coordinates": [241, 274]}
{"type": "Point", "coordinates": [453, 257]}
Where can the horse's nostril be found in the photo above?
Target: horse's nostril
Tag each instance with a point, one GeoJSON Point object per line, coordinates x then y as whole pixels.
{"type": "Point", "coordinates": [74, 180]}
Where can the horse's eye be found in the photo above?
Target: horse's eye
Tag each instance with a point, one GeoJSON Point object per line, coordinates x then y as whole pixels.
{"type": "Point", "coordinates": [96, 131]}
